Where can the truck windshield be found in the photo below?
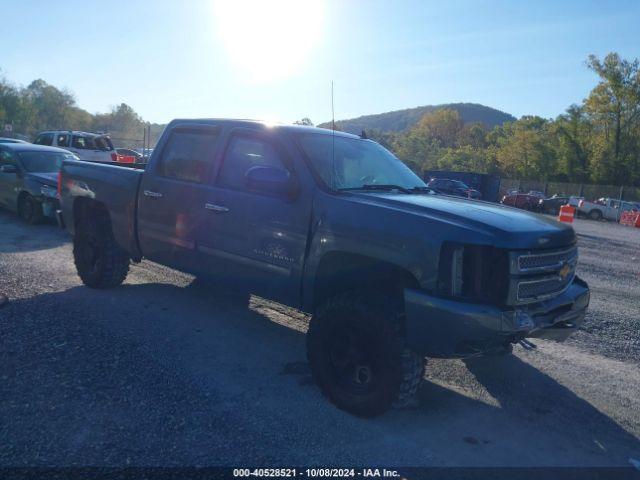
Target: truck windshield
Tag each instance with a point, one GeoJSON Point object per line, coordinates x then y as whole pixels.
{"type": "Point", "coordinates": [43, 162]}
{"type": "Point", "coordinates": [352, 163]}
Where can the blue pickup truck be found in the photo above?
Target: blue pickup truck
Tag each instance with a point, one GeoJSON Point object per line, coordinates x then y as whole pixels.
{"type": "Point", "coordinates": [337, 226]}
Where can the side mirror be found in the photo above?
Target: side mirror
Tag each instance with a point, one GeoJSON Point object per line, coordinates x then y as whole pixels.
{"type": "Point", "coordinates": [276, 181]}
{"type": "Point", "coordinates": [8, 169]}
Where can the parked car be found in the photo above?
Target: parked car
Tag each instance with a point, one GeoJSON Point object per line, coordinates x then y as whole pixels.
{"type": "Point", "coordinates": [453, 187]}
{"type": "Point", "coordinates": [522, 200]}
{"type": "Point", "coordinates": [537, 193]}
{"type": "Point", "coordinates": [128, 153]}
{"type": "Point", "coordinates": [574, 201]}
{"type": "Point", "coordinates": [90, 147]}
{"type": "Point", "coordinates": [145, 152]}
{"type": "Point", "coordinates": [607, 208]}
{"type": "Point", "coordinates": [486, 183]}
{"type": "Point", "coordinates": [28, 179]}
{"type": "Point", "coordinates": [552, 205]}
{"type": "Point", "coordinates": [337, 226]}
{"type": "Point", "coordinates": [11, 140]}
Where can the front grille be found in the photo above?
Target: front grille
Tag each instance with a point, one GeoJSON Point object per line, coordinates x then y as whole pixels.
{"type": "Point", "coordinates": [541, 261]}
{"type": "Point", "coordinates": [541, 274]}
{"type": "Point", "coordinates": [540, 288]}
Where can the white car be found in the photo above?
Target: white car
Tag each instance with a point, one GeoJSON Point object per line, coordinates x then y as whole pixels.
{"type": "Point", "coordinates": [90, 147]}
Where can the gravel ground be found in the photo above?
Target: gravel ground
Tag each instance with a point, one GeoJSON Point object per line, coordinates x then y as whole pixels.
{"type": "Point", "coordinates": [610, 263]}
{"type": "Point", "coordinates": [165, 371]}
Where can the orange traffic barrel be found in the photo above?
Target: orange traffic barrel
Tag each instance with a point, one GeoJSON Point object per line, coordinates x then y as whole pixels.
{"type": "Point", "coordinates": [566, 214]}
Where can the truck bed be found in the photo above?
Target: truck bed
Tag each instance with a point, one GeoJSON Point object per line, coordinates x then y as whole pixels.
{"type": "Point", "coordinates": [114, 186]}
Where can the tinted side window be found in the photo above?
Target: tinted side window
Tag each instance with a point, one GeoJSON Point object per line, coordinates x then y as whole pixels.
{"type": "Point", "coordinates": [188, 155]}
{"type": "Point", "coordinates": [63, 140]}
{"type": "Point", "coordinates": [79, 142]}
{"type": "Point", "coordinates": [242, 154]}
{"type": "Point", "coordinates": [44, 139]}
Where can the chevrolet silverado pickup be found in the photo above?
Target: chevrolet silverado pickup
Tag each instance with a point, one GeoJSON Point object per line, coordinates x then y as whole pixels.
{"type": "Point", "coordinates": [337, 226]}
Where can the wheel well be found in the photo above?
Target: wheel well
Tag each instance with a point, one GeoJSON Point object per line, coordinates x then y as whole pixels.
{"type": "Point", "coordinates": [22, 195]}
{"type": "Point", "coordinates": [86, 208]}
{"type": "Point", "coordinates": [340, 271]}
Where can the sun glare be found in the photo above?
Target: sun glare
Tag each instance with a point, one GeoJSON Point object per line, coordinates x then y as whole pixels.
{"type": "Point", "coordinates": [271, 39]}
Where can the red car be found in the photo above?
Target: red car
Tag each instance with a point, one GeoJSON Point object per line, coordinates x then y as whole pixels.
{"type": "Point", "coordinates": [522, 200]}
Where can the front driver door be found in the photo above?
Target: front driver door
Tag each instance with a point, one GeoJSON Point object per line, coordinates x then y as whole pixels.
{"type": "Point", "coordinates": [253, 239]}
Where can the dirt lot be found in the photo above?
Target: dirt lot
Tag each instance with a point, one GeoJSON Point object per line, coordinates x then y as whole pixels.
{"type": "Point", "coordinates": [165, 371]}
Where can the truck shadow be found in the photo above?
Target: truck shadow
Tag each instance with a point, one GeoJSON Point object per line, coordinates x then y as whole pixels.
{"type": "Point", "coordinates": [225, 348]}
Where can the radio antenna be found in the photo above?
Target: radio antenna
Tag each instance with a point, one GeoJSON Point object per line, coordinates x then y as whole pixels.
{"type": "Point", "coordinates": [333, 138]}
{"type": "Point", "coordinates": [333, 116]}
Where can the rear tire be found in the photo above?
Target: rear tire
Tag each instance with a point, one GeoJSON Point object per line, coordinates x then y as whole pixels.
{"type": "Point", "coordinates": [100, 262]}
{"type": "Point", "coordinates": [595, 215]}
{"type": "Point", "coordinates": [358, 356]}
{"type": "Point", "coordinates": [29, 210]}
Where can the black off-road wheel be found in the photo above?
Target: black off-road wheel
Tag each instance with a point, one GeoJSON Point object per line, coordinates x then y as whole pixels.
{"type": "Point", "coordinates": [358, 356]}
{"type": "Point", "coordinates": [100, 262]}
{"type": "Point", "coordinates": [30, 210]}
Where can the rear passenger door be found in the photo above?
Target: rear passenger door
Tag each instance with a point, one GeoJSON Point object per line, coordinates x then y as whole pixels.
{"type": "Point", "coordinates": [79, 145]}
{"type": "Point", "coordinates": [255, 240]}
{"type": "Point", "coordinates": [172, 195]}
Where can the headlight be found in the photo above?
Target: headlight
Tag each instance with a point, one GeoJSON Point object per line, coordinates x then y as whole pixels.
{"type": "Point", "coordinates": [473, 272]}
{"type": "Point", "coordinates": [49, 192]}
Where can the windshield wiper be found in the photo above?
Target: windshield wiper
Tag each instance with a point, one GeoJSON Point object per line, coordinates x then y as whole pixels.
{"type": "Point", "coordinates": [423, 189]}
{"type": "Point", "coordinates": [379, 186]}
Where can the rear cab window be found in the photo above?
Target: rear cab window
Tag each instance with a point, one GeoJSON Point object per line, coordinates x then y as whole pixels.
{"type": "Point", "coordinates": [188, 154]}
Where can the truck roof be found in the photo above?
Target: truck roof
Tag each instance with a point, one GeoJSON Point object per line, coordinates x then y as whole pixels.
{"type": "Point", "coordinates": [233, 122]}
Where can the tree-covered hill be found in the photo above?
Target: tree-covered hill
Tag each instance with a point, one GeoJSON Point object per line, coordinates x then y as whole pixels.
{"type": "Point", "coordinates": [400, 120]}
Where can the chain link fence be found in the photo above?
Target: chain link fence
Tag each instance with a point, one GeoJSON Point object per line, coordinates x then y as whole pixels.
{"type": "Point", "coordinates": [588, 191]}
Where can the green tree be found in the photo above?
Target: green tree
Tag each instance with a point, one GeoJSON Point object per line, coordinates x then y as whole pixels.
{"type": "Point", "coordinates": [524, 150]}
{"type": "Point", "coordinates": [573, 131]}
{"type": "Point", "coordinates": [614, 108]}
{"type": "Point", "coordinates": [304, 121]}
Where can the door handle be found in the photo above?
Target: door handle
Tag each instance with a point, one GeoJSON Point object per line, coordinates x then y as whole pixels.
{"type": "Point", "coordinates": [149, 193]}
{"type": "Point", "coordinates": [216, 208]}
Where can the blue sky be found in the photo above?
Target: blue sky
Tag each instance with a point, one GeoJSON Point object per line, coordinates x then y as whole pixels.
{"type": "Point", "coordinates": [201, 58]}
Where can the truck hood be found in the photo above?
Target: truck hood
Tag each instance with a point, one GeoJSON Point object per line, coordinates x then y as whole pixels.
{"type": "Point", "coordinates": [492, 223]}
{"type": "Point", "coordinates": [50, 179]}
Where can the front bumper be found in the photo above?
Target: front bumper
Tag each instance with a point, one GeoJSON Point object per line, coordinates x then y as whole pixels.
{"type": "Point", "coordinates": [439, 327]}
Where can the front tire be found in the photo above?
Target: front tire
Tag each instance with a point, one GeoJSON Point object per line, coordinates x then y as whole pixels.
{"type": "Point", "coordinates": [29, 210]}
{"type": "Point", "coordinates": [100, 262]}
{"type": "Point", "coordinates": [358, 356]}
